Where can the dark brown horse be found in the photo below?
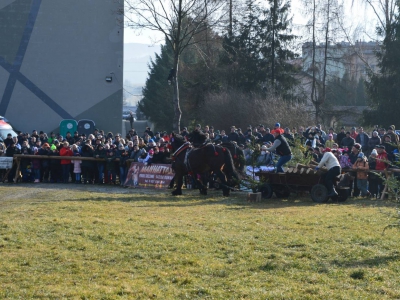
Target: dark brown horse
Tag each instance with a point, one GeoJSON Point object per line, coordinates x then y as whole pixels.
{"type": "Point", "coordinates": [237, 155]}
{"type": "Point", "coordinates": [199, 161]}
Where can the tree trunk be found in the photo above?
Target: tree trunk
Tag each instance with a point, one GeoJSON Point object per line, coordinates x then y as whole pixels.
{"type": "Point", "coordinates": [317, 111]}
{"type": "Point", "coordinates": [274, 22]}
{"type": "Point", "coordinates": [323, 96]}
{"type": "Point", "coordinates": [313, 65]}
{"type": "Point", "coordinates": [176, 122]}
{"type": "Point", "coordinates": [230, 27]}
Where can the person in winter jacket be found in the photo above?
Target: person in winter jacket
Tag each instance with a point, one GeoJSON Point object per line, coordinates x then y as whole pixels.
{"type": "Point", "coordinates": [381, 163]}
{"type": "Point", "coordinates": [265, 158]}
{"type": "Point", "coordinates": [123, 156]}
{"type": "Point", "coordinates": [393, 136]}
{"type": "Point", "coordinates": [374, 140]}
{"type": "Point", "coordinates": [332, 164]}
{"type": "Point", "coordinates": [389, 147]}
{"type": "Point", "coordinates": [282, 148]}
{"type": "Point", "coordinates": [55, 164]}
{"type": "Point", "coordinates": [373, 179]}
{"type": "Point", "coordinates": [10, 151]}
{"type": "Point", "coordinates": [158, 156]}
{"type": "Point", "coordinates": [362, 139]}
{"type": "Point", "coordinates": [87, 166]}
{"type": "Point", "coordinates": [348, 141]}
{"type": "Point", "coordinates": [362, 167]}
{"type": "Point", "coordinates": [137, 153]}
{"type": "Point", "coordinates": [341, 135]}
{"type": "Point", "coordinates": [382, 158]}
{"type": "Point", "coordinates": [45, 163]}
{"type": "Point", "coordinates": [77, 164]}
{"type": "Point", "coordinates": [111, 155]}
{"type": "Point", "coordinates": [36, 166]}
{"type": "Point", "coordinates": [344, 161]}
{"type": "Point", "coordinates": [149, 158]}
{"type": "Point", "coordinates": [65, 163]}
{"type": "Point", "coordinates": [100, 153]}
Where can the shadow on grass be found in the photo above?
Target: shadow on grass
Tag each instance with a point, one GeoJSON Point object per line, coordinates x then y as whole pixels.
{"type": "Point", "coordinates": [189, 197]}
{"type": "Point", "coordinates": [375, 261]}
{"type": "Point", "coordinates": [307, 201]}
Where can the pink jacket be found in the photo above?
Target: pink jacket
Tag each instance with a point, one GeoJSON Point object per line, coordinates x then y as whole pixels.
{"type": "Point", "coordinates": [345, 162]}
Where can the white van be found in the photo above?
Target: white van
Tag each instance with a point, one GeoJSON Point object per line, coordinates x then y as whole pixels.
{"type": "Point", "coordinates": [5, 129]}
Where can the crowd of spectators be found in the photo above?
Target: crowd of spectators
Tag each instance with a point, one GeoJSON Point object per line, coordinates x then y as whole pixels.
{"type": "Point", "coordinates": [106, 147]}
{"type": "Point", "coordinates": [377, 149]}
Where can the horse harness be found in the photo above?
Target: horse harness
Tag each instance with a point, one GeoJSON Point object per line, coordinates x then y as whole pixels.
{"type": "Point", "coordinates": [188, 146]}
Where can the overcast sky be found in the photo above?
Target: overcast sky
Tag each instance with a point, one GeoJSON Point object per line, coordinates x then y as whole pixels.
{"type": "Point", "coordinates": [356, 14]}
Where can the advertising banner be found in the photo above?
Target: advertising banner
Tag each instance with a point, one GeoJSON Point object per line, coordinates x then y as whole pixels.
{"type": "Point", "coordinates": [6, 162]}
{"type": "Point", "coordinates": [149, 176]}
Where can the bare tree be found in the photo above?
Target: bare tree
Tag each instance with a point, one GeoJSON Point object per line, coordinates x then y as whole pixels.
{"type": "Point", "coordinates": [237, 108]}
{"type": "Point", "coordinates": [323, 27]}
{"type": "Point", "coordinates": [384, 10]}
{"type": "Point", "coordinates": [179, 21]}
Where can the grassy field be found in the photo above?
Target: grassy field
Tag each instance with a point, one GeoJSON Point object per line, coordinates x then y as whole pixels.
{"type": "Point", "coordinates": [63, 242]}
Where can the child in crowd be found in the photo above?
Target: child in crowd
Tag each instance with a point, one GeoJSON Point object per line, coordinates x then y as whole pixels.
{"type": "Point", "coordinates": [77, 164]}
{"type": "Point", "coordinates": [26, 167]}
{"type": "Point", "coordinates": [362, 167]}
{"type": "Point", "coordinates": [373, 179]}
{"type": "Point", "coordinates": [36, 166]}
{"type": "Point", "coordinates": [110, 158]}
{"type": "Point", "coordinates": [149, 158]}
{"type": "Point", "coordinates": [345, 160]}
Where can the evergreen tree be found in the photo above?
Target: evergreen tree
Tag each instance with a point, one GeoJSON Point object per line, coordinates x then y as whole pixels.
{"type": "Point", "coordinates": [383, 88]}
{"type": "Point", "coordinates": [361, 95]}
{"type": "Point", "coordinates": [276, 36]}
{"type": "Point", "coordinates": [258, 51]}
{"type": "Point", "coordinates": [156, 103]}
{"type": "Point", "coordinates": [241, 60]}
{"type": "Point", "coordinates": [198, 76]}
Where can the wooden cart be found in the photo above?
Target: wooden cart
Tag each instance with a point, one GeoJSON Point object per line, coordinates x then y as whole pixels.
{"type": "Point", "coordinates": [282, 184]}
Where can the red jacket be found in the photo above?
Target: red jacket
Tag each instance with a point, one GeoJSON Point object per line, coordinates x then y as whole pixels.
{"type": "Point", "coordinates": [380, 161]}
{"type": "Point", "coordinates": [66, 152]}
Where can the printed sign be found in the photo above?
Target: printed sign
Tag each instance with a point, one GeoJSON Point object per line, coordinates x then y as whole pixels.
{"type": "Point", "coordinates": [149, 176]}
{"type": "Point", "coordinates": [6, 162]}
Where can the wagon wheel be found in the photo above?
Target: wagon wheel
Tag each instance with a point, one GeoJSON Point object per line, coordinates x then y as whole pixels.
{"type": "Point", "coordinates": [342, 195]}
{"type": "Point", "coordinates": [265, 190]}
{"type": "Point", "coordinates": [319, 193]}
{"type": "Point", "coordinates": [281, 192]}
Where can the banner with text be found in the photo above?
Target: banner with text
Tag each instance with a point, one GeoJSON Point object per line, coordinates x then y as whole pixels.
{"type": "Point", "coordinates": [6, 162]}
{"type": "Point", "coordinates": [149, 176]}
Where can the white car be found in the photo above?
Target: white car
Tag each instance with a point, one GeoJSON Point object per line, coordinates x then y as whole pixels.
{"type": "Point", "coordinates": [126, 114]}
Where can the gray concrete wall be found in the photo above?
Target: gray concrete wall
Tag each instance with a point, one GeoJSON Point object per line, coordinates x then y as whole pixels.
{"type": "Point", "coordinates": [54, 58]}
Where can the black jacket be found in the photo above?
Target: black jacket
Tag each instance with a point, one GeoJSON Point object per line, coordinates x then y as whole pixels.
{"type": "Point", "coordinates": [283, 149]}
{"type": "Point", "coordinates": [11, 151]}
{"type": "Point", "coordinates": [87, 151]}
{"type": "Point", "coordinates": [197, 138]}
